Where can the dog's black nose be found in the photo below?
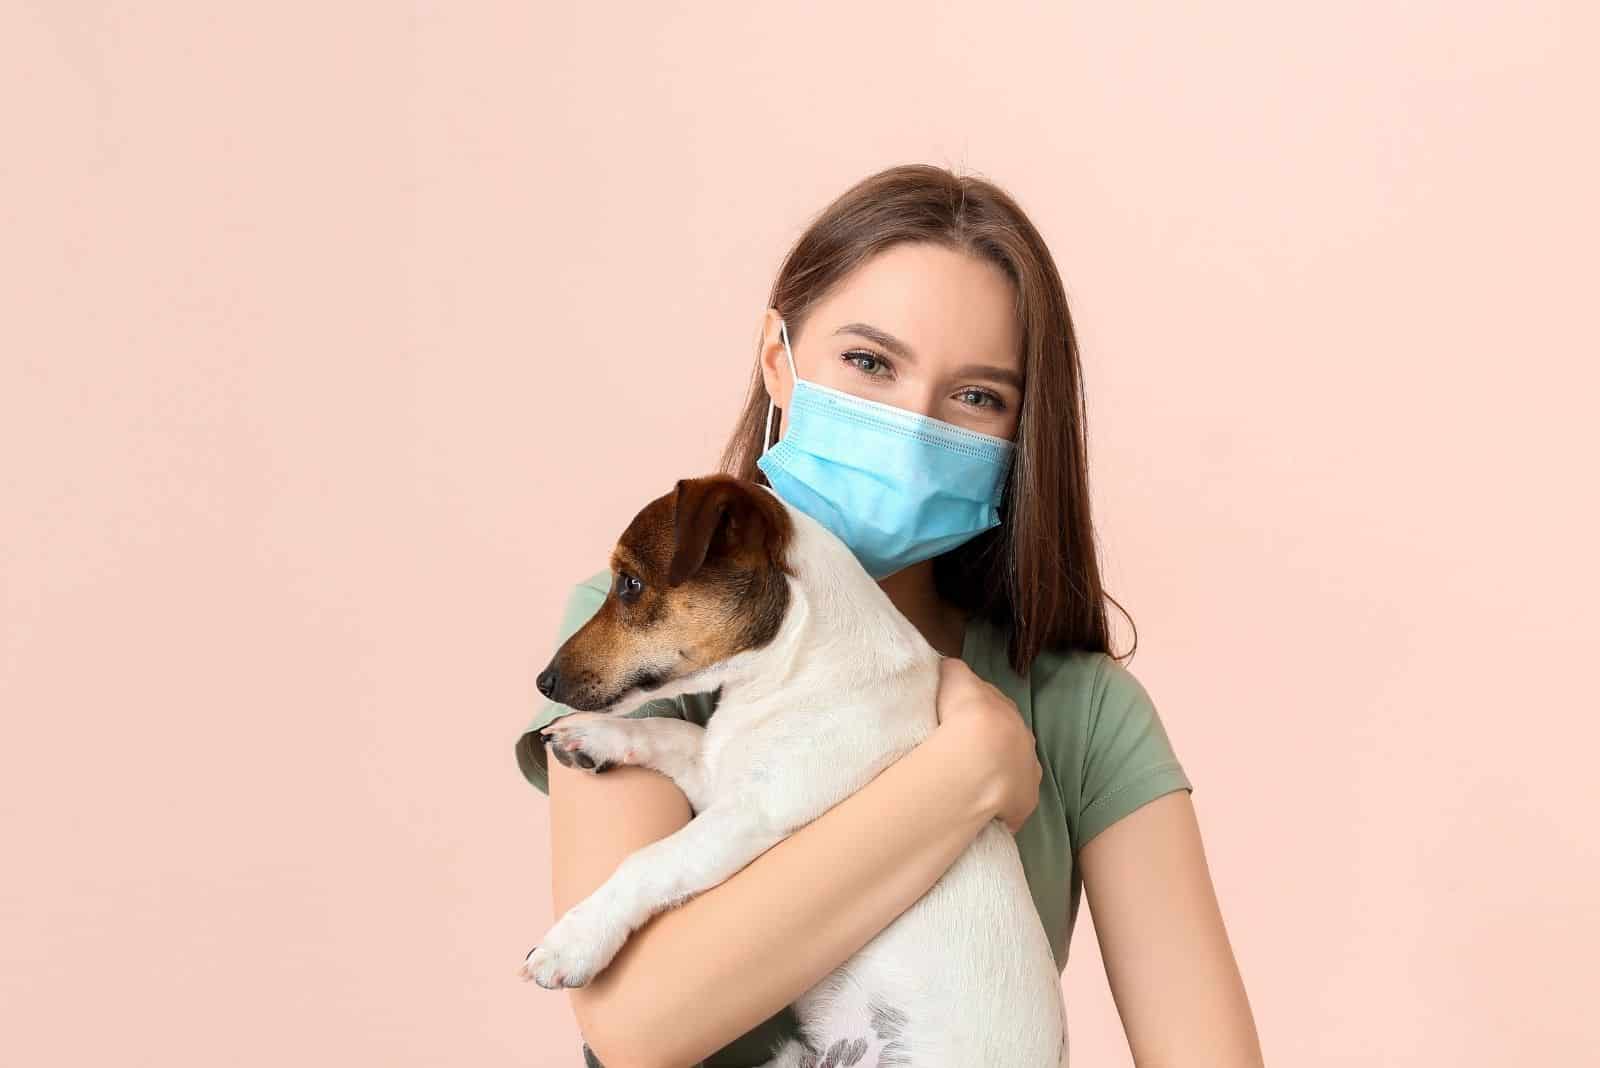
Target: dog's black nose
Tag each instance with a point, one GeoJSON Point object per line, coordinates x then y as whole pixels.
{"type": "Point", "coordinates": [547, 681]}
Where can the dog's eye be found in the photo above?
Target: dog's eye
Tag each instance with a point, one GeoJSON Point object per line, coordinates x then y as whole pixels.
{"type": "Point", "coordinates": [628, 586]}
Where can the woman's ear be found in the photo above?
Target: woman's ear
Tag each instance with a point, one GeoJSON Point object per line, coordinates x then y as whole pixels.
{"type": "Point", "coordinates": [774, 364]}
{"type": "Point", "coordinates": [779, 383]}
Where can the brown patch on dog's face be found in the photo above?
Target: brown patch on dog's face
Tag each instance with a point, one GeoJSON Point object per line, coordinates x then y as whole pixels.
{"type": "Point", "coordinates": [698, 576]}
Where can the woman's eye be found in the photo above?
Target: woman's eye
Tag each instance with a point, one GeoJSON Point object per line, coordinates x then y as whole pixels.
{"type": "Point", "coordinates": [863, 361]}
{"type": "Point", "coordinates": [854, 355]}
{"type": "Point", "coordinates": [998, 404]}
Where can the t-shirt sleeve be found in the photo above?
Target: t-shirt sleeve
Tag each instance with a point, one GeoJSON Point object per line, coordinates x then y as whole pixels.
{"type": "Point", "coordinates": [582, 603]}
{"type": "Point", "coordinates": [1128, 760]}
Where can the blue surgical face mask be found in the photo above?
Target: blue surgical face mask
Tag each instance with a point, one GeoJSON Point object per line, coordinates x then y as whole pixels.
{"type": "Point", "coordinates": [895, 486]}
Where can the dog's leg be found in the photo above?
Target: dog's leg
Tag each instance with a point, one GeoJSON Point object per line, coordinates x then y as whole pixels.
{"type": "Point", "coordinates": [597, 742]}
{"type": "Point", "coordinates": [699, 855]}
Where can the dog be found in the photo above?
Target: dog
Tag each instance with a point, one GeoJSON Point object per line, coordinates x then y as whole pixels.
{"type": "Point", "coordinates": [824, 683]}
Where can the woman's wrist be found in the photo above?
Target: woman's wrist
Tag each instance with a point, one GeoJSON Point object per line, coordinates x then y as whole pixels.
{"type": "Point", "coordinates": [972, 773]}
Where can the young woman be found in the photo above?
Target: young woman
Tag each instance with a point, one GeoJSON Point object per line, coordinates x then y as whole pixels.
{"type": "Point", "coordinates": [933, 293]}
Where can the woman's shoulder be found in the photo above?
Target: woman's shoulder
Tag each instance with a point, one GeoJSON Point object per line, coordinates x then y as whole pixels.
{"type": "Point", "coordinates": [584, 598]}
{"type": "Point", "coordinates": [1093, 682]}
{"type": "Point", "coordinates": [599, 582]}
{"type": "Point", "coordinates": [1105, 741]}
{"type": "Point", "coordinates": [1079, 679]}
{"type": "Point", "coordinates": [1078, 670]}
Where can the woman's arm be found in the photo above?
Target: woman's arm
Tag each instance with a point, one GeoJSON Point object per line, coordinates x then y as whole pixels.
{"type": "Point", "coordinates": [697, 976]}
{"type": "Point", "coordinates": [1167, 956]}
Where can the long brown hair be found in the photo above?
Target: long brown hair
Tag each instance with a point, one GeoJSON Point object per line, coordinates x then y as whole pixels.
{"type": "Point", "coordinates": [1037, 574]}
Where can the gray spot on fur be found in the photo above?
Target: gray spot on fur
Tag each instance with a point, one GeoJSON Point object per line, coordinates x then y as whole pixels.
{"type": "Point", "coordinates": [847, 1053]}
{"type": "Point", "coordinates": [889, 1023]}
{"type": "Point", "coordinates": [887, 1020]}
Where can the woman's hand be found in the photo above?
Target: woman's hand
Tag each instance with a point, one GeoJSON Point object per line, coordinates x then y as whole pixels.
{"type": "Point", "coordinates": [1002, 747]}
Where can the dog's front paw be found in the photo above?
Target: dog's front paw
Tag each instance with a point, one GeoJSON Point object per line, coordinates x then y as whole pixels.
{"type": "Point", "coordinates": [575, 950]}
{"type": "Point", "coordinates": [594, 741]}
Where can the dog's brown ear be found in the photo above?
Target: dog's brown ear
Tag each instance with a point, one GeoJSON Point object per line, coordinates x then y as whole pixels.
{"type": "Point", "coordinates": [700, 509]}
{"type": "Point", "coordinates": [718, 515]}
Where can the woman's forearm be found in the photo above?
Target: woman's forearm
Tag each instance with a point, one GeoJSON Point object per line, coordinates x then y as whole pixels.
{"type": "Point", "coordinates": [696, 977]}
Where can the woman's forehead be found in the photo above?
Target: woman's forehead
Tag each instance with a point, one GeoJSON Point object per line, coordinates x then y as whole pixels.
{"type": "Point", "coordinates": [930, 302]}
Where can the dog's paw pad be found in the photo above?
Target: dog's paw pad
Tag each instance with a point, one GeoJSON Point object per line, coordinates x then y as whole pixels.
{"type": "Point", "coordinates": [546, 970]}
{"type": "Point", "coordinates": [593, 742]}
{"type": "Point", "coordinates": [576, 949]}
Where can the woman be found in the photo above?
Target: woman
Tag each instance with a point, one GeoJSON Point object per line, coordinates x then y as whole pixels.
{"type": "Point", "coordinates": [933, 293]}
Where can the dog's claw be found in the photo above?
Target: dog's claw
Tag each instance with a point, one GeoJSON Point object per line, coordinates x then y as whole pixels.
{"type": "Point", "coordinates": [576, 745]}
{"type": "Point", "coordinates": [577, 948]}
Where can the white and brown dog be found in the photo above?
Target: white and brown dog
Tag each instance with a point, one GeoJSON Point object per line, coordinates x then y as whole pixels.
{"type": "Point", "coordinates": [824, 683]}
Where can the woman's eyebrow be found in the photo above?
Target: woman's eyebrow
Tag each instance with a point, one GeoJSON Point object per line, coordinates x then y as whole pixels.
{"type": "Point", "coordinates": [974, 370]}
{"type": "Point", "coordinates": [882, 337]}
{"type": "Point", "coordinates": [989, 371]}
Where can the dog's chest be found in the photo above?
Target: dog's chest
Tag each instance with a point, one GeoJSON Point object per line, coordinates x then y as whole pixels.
{"type": "Point", "coordinates": [842, 738]}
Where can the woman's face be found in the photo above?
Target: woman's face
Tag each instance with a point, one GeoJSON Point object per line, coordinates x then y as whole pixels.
{"type": "Point", "coordinates": [918, 326]}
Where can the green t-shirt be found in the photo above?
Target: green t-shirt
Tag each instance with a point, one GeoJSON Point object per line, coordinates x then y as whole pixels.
{"type": "Point", "coordinates": [1101, 744]}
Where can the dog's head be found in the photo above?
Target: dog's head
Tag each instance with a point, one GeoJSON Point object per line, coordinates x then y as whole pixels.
{"type": "Point", "coordinates": [698, 577]}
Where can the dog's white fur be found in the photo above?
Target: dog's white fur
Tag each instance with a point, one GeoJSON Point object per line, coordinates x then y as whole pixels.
{"type": "Point", "coordinates": [965, 976]}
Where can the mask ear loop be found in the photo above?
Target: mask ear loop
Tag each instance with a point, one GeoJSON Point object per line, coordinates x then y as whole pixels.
{"type": "Point", "coordinates": [794, 376]}
{"type": "Point", "coordinates": [783, 331]}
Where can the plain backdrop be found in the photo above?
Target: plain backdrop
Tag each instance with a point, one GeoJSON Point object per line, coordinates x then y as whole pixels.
{"type": "Point", "coordinates": [337, 341]}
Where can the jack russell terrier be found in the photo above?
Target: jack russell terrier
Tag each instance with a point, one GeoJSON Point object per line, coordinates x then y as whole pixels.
{"type": "Point", "coordinates": [721, 583]}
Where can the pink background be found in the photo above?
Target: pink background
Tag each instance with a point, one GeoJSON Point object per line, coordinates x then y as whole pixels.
{"type": "Point", "coordinates": [338, 340]}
